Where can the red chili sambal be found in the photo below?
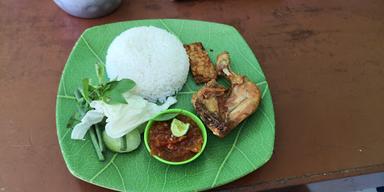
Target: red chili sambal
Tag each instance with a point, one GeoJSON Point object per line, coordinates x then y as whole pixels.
{"type": "Point", "coordinates": [169, 147]}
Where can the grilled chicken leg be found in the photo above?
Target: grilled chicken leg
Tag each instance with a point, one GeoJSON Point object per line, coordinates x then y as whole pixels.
{"type": "Point", "coordinates": [223, 109]}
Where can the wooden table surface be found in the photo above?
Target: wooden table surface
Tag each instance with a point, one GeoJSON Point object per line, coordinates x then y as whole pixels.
{"type": "Point", "coordinates": [324, 61]}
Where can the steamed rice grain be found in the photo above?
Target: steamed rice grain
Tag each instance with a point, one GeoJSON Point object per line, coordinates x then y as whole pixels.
{"type": "Point", "coordinates": [152, 57]}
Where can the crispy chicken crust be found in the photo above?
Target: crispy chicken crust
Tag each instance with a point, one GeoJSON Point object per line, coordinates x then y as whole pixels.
{"type": "Point", "coordinates": [202, 68]}
{"type": "Point", "coordinates": [223, 109]}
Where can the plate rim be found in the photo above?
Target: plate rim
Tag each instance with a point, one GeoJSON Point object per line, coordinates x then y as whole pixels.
{"type": "Point", "coordinates": [58, 100]}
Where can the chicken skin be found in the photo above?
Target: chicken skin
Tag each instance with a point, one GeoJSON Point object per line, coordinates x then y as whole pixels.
{"type": "Point", "coordinates": [223, 109]}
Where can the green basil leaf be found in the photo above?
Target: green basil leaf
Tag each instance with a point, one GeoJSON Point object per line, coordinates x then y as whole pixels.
{"type": "Point", "coordinates": [110, 85]}
{"type": "Point", "coordinates": [86, 89]}
{"type": "Point", "coordinates": [122, 86]}
{"type": "Point", "coordinates": [100, 72]}
{"type": "Point", "coordinates": [165, 117]}
{"type": "Point", "coordinates": [94, 92]}
{"type": "Point", "coordinates": [113, 97]}
{"type": "Point", "coordinates": [114, 90]}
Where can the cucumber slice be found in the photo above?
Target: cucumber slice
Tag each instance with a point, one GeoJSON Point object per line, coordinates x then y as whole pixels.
{"type": "Point", "coordinates": [127, 143]}
{"type": "Point", "coordinates": [179, 128]}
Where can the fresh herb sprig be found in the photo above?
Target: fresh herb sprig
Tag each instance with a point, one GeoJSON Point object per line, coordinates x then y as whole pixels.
{"type": "Point", "coordinates": [111, 92]}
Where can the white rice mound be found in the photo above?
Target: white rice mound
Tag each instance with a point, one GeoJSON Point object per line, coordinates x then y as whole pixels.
{"type": "Point", "coordinates": [152, 57]}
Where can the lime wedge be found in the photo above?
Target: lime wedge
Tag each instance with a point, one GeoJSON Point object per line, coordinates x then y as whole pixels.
{"type": "Point", "coordinates": [179, 128]}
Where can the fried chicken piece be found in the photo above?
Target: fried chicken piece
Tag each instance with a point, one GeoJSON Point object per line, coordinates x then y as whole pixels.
{"type": "Point", "coordinates": [223, 109]}
{"type": "Point", "coordinates": [244, 95]}
{"type": "Point", "coordinates": [209, 105]}
{"type": "Point", "coordinates": [201, 65]}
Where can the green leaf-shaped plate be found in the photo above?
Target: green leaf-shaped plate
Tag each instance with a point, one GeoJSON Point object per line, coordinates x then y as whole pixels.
{"type": "Point", "coordinates": [244, 150]}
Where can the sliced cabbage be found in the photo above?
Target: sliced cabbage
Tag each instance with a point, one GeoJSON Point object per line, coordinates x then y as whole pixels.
{"type": "Point", "coordinates": [90, 118]}
{"type": "Point", "coordinates": [121, 118]}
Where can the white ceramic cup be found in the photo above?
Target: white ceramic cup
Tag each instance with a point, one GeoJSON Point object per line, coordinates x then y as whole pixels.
{"type": "Point", "coordinates": [88, 8]}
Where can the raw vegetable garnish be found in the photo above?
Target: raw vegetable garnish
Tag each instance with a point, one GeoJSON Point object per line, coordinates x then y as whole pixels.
{"type": "Point", "coordinates": [127, 143]}
{"type": "Point", "coordinates": [110, 92]}
{"type": "Point", "coordinates": [112, 113]}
